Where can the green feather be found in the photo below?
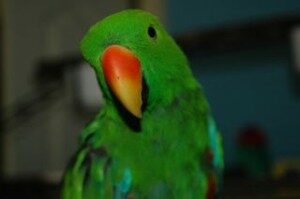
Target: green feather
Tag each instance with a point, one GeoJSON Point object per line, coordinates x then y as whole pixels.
{"type": "Point", "coordinates": [166, 157]}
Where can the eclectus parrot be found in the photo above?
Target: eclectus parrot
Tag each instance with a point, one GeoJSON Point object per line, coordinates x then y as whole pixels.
{"type": "Point", "coordinates": [155, 136]}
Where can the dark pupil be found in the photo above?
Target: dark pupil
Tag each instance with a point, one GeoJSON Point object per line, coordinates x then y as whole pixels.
{"type": "Point", "coordinates": [151, 32]}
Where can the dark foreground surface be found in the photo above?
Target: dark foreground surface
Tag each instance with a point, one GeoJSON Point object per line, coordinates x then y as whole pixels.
{"type": "Point", "coordinates": [234, 187]}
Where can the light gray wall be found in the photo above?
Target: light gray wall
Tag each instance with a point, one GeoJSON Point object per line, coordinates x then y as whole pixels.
{"type": "Point", "coordinates": [35, 29]}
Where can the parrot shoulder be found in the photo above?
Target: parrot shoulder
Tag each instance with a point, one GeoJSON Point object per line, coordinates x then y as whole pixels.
{"type": "Point", "coordinates": [92, 128]}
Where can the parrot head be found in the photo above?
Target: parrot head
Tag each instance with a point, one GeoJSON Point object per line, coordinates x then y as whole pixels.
{"type": "Point", "coordinates": [136, 61]}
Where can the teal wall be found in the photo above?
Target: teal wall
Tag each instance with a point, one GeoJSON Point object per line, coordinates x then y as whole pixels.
{"type": "Point", "coordinates": [186, 15]}
{"type": "Point", "coordinates": [252, 86]}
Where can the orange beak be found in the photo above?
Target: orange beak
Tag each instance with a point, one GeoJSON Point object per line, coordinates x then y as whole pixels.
{"type": "Point", "coordinates": [123, 75]}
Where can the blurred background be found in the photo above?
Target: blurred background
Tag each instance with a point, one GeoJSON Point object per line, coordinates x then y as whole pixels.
{"type": "Point", "coordinates": [246, 54]}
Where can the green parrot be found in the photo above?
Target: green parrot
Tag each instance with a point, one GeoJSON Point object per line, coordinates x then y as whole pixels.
{"type": "Point", "coordinates": [155, 136]}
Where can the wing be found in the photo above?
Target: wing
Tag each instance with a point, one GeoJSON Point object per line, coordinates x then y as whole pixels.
{"type": "Point", "coordinates": [215, 144]}
{"type": "Point", "coordinates": [86, 176]}
{"type": "Point", "coordinates": [216, 159]}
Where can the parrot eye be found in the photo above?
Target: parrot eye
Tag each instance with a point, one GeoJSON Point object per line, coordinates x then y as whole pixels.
{"type": "Point", "coordinates": [151, 32]}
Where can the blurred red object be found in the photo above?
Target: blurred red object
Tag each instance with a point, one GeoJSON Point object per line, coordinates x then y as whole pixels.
{"type": "Point", "coordinates": [251, 136]}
